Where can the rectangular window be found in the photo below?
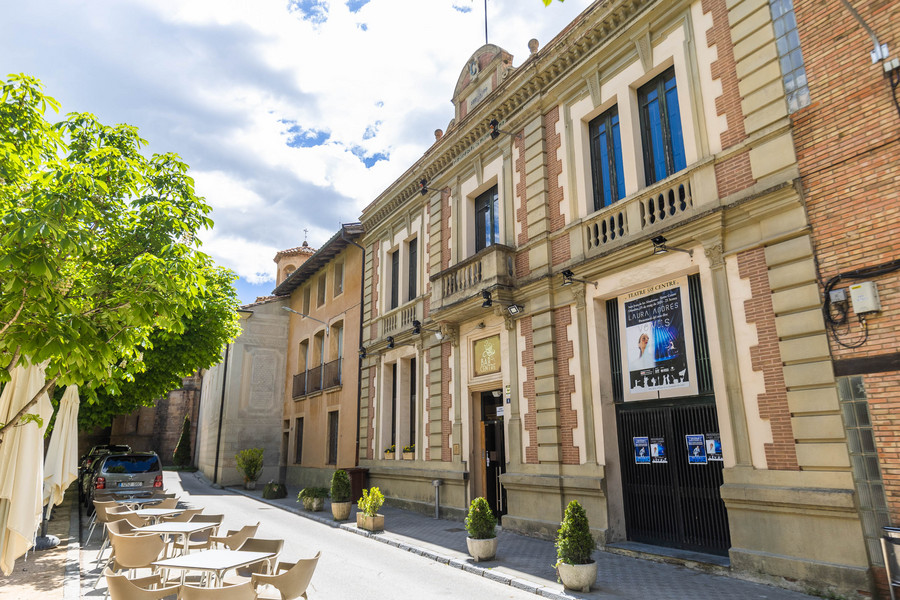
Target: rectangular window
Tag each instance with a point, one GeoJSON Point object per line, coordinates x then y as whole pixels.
{"type": "Point", "coordinates": [661, 128]}
{"type": "Point", "coordinates": [787, 41]}
{"type": "Point", "coordinates": [487, 219]}
{"type": "Point", "coordinates": [307, 294]}
{"type": "Point", "coordinates": [298, 441]}
{"type": "Point", "coordinates": [338, 279]}
{"type": "Point", "coordinates": [393, 404]}
{"type": "Point", "coordinates": [412, 401]}
{"type": "Point", "coordinates": [332, 437]}
{"type": "Point", "coordinates": [413, 258]}
{"type": "Point", "coordinates": [606, 159]}
{"type": "Point", "coordinates": [320, 300]}
{"type": "Point", "coordinates": [395, 279]}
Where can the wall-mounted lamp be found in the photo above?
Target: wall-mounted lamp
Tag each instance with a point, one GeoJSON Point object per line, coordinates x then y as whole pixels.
{"type": "Point", "coordinates": [496, 131]}
{"type": "Point", "coordinates": [390, 341]}
{"type": "Point", "coordinates": [569, 278]}
{"type": "Point", "coordinates": [362, 352]}
{"type": "Point", "coordinates": [497, 393]}
{"type": "Point", "coordinates": [514, 309]}
{"type": "Point", "coordinates": [660, 247]}
{"type": "Point", "coordinates": [418, 329]}
{"type": "Point", "coordinates": [423, 187]}
{"type": "Point", "coordinates": [488, 302]}
{"type": "Point", "coordinates": [289, 309]}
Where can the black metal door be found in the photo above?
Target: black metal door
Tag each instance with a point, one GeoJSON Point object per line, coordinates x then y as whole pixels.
{"type": "Point", "coordinates": [494, 458]}
{"type": "Point", "coordinates": [670, 501]}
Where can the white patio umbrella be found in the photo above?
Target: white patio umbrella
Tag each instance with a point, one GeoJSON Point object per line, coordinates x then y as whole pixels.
{"type": "Point", "coordinates": [21, 465]}
{"type": "Point", "coordinates": [61, 462]}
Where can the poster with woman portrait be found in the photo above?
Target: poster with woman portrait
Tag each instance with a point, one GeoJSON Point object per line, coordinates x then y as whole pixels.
{"type": "Point", "coordinates": [657, 344]}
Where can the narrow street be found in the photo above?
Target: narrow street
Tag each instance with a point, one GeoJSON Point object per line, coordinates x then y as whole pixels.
{"type": "Point", "coordinates": [351, 566]}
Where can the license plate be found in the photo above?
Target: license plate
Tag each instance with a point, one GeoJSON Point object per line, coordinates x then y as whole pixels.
{"type": "Point", "coordinates": [129, 484]}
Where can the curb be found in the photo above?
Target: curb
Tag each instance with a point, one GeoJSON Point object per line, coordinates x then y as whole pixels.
{"type": "Point", "coordinates": [457, 563]}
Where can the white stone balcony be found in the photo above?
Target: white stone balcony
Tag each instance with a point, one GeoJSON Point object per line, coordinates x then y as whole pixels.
{"type": "Point", "coordinates": [492, 266]}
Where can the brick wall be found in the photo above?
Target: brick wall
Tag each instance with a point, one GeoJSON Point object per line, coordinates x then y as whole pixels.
{"type": "Point", "coordinates": [884, 409]}
{"type": "Point", "coordinates": [446, 428]}
{"type": "Point", "coordinates": [724, 69]}
{"type": "Point", "coordinates": [523, 268]}
{"type": "Point", "coordinates": [530, 417]}
{"type": "Point", "coordinates": [445, 229]}
{"type": "Point", "coordinates": [560, 251]}
{"type": "Point", "coordinates": [565, 351]}
{"type": "Point", "coordinates": [781, 453]}
{"type": "Point", "coordinates": [370, 424]}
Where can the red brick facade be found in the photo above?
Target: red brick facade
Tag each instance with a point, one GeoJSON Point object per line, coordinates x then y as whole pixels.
{"type": "Point", "coordinates": [724, 69]}
{"type": "Point", "coordinates": [781, 453]}
{"type": "Point", "coordinates": [445, 229]}
{"type": "Point", "coordinates": [560, 250]}
{"type": "Point", "coordinates": [446, 399]}
{"type": "Point", "coordinates": [370, 422]}
{"type": "Point", "coordinates": [565, 352]}
{"type": "Point", "coordinates": [523, 268]}
{"type": "Point", "coordinates": [734, 174]}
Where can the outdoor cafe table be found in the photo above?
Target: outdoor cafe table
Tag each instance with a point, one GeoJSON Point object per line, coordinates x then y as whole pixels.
{"type": "Point", "coordinates": [213, 561]}
{"type": "Point", "coordinates": [132, 502]}
{"type": "Point", "coordinates": [155, 514]}
{"type": "Point", "coordinates": [181, 529]}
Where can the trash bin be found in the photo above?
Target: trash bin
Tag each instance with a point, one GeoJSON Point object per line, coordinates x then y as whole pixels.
{"type": "Point", "coordinates": [890, 540]}
{"type": "Point", "coordinates": [359, 479]}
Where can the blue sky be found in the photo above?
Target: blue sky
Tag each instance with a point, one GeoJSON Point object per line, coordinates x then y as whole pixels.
{"type": "Point", "coordinates": [293, 114]}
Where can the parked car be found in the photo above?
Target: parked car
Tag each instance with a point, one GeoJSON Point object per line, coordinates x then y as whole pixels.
{"type": "Point", "coordinates": [98, 451]}
{"type": "Point", "coordinates": [131, 473]}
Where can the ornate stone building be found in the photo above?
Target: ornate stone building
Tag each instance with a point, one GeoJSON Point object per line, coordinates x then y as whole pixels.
{"type": "Point", "coordinates": [599, 284]}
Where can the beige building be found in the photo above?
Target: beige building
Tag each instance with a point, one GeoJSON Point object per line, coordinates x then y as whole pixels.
{"type": "Point", "coordinates": [321, 387]}
{"type": "Point", "coordinates": [599, 284]}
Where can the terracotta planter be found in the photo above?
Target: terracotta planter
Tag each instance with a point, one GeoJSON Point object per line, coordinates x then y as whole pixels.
{"type": "Point", "coordinates": [485, 549]}
{"type": "Point", "coordinates": [374, 523]}
{"type": "Point", "coordinates": [341, 510]}
{"type": "Point", "coordinates": [314, 504]}
{"type": "Point", "coordinates": [388, 456]}
{"type": "Point", "coordinates": [409, 456]}
{"type": "Point", "coordinates": [577, 577]}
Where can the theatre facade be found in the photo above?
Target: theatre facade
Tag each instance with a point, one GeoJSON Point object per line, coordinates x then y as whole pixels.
{"type": "Point", "coordinates": [598, 284]}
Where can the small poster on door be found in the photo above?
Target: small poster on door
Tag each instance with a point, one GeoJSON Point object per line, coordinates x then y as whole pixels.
{"type": "Point", "coordinates": [696, 447]}
{"type": "Point", "coordinates": [713, 447]}
{"type": "Point", "coordinates": [658, 451]}
{"type": "Point", "coordinates": [642, 450]}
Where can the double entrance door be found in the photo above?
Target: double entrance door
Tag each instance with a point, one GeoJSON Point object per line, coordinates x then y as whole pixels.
{"type": "Point", "coordinates": [492, 452]}
{"type": "Point", "coordinates": [671, 476]}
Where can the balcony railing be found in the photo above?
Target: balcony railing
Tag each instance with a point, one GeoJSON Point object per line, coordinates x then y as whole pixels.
{"type": "Point", "coordinates": [671, 201]}
{"type": "Point", "coordinates": [318, 378]}
{"type": "Point", "coordinates": [492, 266]}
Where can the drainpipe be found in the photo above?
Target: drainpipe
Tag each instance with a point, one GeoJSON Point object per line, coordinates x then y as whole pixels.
{"type": "Point", "coordinates": [362, 292]}
{"type": "Point", "coordinates": [221, 414]}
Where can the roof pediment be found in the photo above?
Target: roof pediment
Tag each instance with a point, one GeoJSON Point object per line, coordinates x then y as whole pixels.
{"type": "Point", "coordinates": [482, 73]}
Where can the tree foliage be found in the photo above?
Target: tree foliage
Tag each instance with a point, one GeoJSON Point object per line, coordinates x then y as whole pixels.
{"type": "Point", "coordinates": [574, 542]}
{"type": "Point", "coordinates": [99, 258]}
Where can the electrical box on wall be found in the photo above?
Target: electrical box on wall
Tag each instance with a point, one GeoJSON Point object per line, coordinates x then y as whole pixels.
{"type": "Point", "coordinates": [864, 297]}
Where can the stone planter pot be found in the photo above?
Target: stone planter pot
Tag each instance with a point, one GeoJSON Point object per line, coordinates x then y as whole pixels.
{"type": "Point", "coordinates": [409, 456]}
{"type": "Point", "coordinates": [485, 549]}
{"type": "Point", "coordinates": [249, 485]}
{"type": "Point", "coordinates": [577, 577]}
{"type": "Point", "coordinates": [314, 504]}
{"type": "Point", "coordinates": [388, 456]}
{"type": "Point", "coordinates": [341, 510]}
{"type": "Point", "coordinates": [375, 523]}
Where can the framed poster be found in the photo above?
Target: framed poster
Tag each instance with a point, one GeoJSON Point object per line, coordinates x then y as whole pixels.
{"type": "Point", "coordinates": [658, 451]}
{"type": "Point", "coordinates": [657, 347]}
{"type": "Point", "coordinates": [696, 449]}
{"type": "Point", "coordinates": [641, 450]}
{"type": "Point", "coordinates": [486, 355]}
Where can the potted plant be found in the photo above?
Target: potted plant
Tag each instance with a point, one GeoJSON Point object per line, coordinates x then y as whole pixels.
{"type": "Point", "coordinates": [367, 517]}
{"type": "Point", "coordinates": [409, 452]}
{"type": "Point", "coordinates": [250, 464]}
{"type": "Point", "coordinates": [481, 527]}
{"type": "Point", "coordinates": [340, 495]}
{"type": "Point", "coordinates": [389, 452]}
{"type": "Point", "coordinates": [274, 489]}
{"type": "Point", "coordinates": [313, 498]}
{"type": "Point", "coordinates": [574, 544]}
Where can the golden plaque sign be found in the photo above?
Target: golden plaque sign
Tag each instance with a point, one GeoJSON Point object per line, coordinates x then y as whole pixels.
{"type": "Point", "coordinates": [487, 355]}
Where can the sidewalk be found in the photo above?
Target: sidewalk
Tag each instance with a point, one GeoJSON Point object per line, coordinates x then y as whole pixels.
{"type": "Point", "coordinates": [527, 563]}
{"type": "Point", "coordinates": [49, 574]}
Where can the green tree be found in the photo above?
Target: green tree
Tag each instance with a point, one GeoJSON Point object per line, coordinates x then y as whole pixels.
{"type": "Point", "coordinates": [182, 455]}
{"type": "Point", "coordinates": [98, 245]}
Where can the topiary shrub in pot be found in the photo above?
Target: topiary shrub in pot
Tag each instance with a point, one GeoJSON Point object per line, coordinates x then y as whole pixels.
{"type": "Point", "coordinates": [340, 495]}
{"type": "Point", "coordinates": [574, 545]}
{"type": "Point", "coordinates": [481, 526]}
{"type": "Point", "coordinates": [313, 498]}
{"type": "Point", "coordinates": [250, 464]}
{"type": "Point", "coordinates": [367, 517]}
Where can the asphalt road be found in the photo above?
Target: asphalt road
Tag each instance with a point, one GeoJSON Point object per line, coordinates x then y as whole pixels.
{"type": "Point", "coordinates": [351, 566]}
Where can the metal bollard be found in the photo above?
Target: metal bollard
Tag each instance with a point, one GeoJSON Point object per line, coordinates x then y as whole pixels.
{"type": "Point", "coordinates": [437, 497]}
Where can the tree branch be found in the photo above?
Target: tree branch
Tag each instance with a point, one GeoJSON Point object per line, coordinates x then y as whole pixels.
{"type": "Point", "coordinates": [28, 405]}
{"type": "Point", "coordinates": [15, 316]}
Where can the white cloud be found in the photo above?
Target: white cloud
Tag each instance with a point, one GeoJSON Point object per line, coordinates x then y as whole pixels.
{"type": "Point", "coordinates": [215, 81]}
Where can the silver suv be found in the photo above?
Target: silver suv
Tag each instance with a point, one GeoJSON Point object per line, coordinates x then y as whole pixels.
{"type": "Point", "coordinates": [132, 473]}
